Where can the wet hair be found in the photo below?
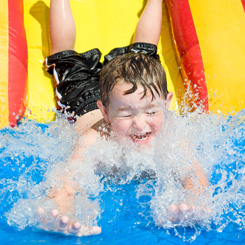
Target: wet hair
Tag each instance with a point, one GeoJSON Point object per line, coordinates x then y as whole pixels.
{"type": "Point", "coordinates": [136, 69]}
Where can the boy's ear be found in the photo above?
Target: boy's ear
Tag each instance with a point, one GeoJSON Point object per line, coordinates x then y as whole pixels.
{"type": "Point", "coordinates": [168, 100]}
{"type": "Point", "coordinates": [103, 110]}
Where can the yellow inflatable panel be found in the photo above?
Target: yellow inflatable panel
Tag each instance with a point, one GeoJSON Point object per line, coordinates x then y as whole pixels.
{"type": "Point", "coordinates": [106, 24]}
{"type": "Point", "coordinates": [4, 112]}
{"type": "Point", "coordinates": [220, 27]}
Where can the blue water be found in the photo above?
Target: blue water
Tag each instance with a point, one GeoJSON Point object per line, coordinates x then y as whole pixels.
{"type": "Point", "coordinates": [29, 151]}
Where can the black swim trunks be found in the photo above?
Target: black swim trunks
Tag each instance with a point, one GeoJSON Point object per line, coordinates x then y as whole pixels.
{"type": "Point", "coordinates": [76, 76]}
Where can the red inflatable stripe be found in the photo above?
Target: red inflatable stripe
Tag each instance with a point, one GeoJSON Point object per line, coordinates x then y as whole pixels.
{"type": "Point", "coordinates": [17, 69]}
{"type": "Point", "coordinates": [243, 4]}
{"type": "Point", "coordinates": [189, 53]}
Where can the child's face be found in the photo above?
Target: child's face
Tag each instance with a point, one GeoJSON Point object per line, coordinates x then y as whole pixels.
{"type": "Point", "coordinates": [133, 118]}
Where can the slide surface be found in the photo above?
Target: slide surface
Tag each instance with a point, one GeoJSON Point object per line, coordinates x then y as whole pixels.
{"type": "Point", "coordinates": [201, 48]}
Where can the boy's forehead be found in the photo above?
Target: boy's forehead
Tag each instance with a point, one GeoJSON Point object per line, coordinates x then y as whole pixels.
{"type": "Point", "coordinates": [122, 87]}
{"type": "Point", "coordinates": [126, 107]}
{"type": "Point", "coordinates": [138, 98]}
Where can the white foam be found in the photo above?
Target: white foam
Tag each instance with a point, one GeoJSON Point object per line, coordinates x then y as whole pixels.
{"type": "Point", "coordinates": [207, 138]}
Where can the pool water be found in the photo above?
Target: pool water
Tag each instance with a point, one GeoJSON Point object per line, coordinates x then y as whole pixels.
{"type": "Point", "coordinates": [129, 208]}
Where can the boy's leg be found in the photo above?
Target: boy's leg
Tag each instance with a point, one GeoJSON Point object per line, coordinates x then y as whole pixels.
{"type": "Point", "coordinates": [149, 26]}
{"type": "Point", "coordinates": [62, 28]}
{"type": "Point", "coordinates": [147, 33]}
{"type": "Point", "coordinates": [77, 87]}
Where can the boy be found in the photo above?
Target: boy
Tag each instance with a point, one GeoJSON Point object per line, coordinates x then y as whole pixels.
{"type": "Point", "coordinates": [133, 94]}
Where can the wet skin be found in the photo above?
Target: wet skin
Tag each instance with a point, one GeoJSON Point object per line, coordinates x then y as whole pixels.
{"type": "Point", "coordinates": [133, 118]}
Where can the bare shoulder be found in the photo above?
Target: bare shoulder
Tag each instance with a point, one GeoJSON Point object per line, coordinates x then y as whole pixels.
{"type": "Point", "coordinates": [84, 141]}
{"type": "Point", "coordinates": [85, 122]}
{"type": "Point", "coordinates": [90, 127]}
{"type": "Point", "coordinates": [89, 136]}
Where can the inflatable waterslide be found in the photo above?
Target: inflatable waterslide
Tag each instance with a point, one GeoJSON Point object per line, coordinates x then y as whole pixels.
{"type": "Point", "coordinates": [201, 48]}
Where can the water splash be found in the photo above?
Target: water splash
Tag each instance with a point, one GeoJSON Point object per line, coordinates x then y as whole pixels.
{"type": "Point", "coordinates": [217, 143]}
{"type": "Point", "coordinates": [120, 181]}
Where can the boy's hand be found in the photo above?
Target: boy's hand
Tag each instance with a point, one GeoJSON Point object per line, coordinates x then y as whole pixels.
{"type": "Point", "coordinates": [54, 222]}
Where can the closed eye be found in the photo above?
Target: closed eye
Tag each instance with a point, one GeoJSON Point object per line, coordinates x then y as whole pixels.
{"type": "Point", "coordinates": [125, 115]}
{"type": "Point", "coordinates": [151, 112]}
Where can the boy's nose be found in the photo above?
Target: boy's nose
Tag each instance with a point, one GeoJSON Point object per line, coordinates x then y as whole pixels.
{"type": "Point", "coordinates": [139, 123]}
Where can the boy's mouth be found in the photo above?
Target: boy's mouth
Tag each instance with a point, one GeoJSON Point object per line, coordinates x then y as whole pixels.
{"type": "Point", "coordinates": [141, 138]}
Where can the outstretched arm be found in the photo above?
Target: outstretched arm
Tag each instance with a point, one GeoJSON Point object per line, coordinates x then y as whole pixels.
{"type": "Point", "coordinates": [196, 185]}
{"type": "Point", "coordinates": [201, 180]}
{"type": "Point", "coordinates": [62, 28]}
{"type": "Point", "coordinates": [62, 219]}
{"type": "Point", "coordinates": [149, 26]}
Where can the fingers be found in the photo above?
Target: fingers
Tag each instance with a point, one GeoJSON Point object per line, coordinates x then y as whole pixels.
{"type": "Point", "coordinates": [89, 230]}
{"type": "Point", "coordinates": [75, 228]}
{"type": "Point", "coordinates": [184, 212]}
{"type": "Point", "coordinates": [42, 217]}
{"type": "Point", "coordinates": [55, 213]}
{"type": "Point", "coordinates": [40, 211]}
{"type": "Point", "coordinates": [183, 207]}
{"type": "Point", "coordinates": [61, 224]}
{"type": "Point", "coordinates": [173, 213]}
{"type": "Point", "coordinates": [68, 228]}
